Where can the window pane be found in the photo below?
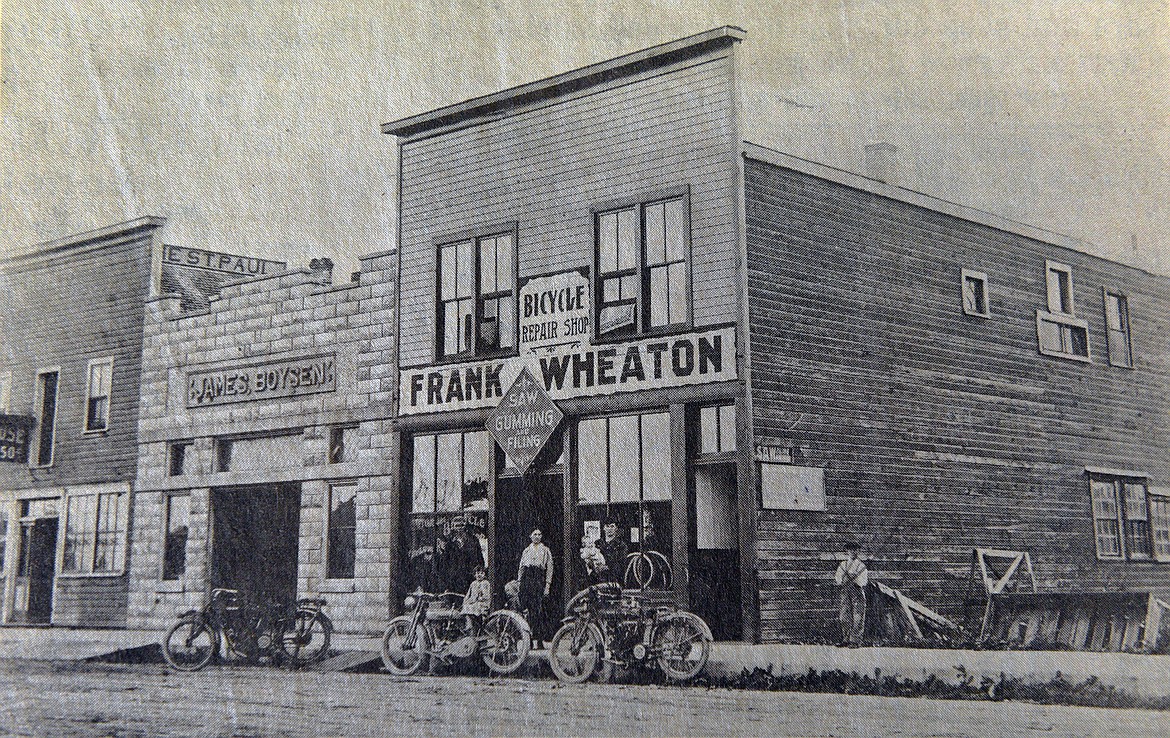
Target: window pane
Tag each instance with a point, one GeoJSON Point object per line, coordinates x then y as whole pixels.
{"type": "Point", "coordinates": [623, 462]}
{"type": "Point", "coordinates": [715, 518]}
{"type": "Point", "coordinates": [1160, 526]}
{"type": "Point", "coordinates": [727, 428]}
{"type": "Point", "coordinates": [591, 461]}
{"type": "Point", "coordinates": [423, 475]}
{"type": "Point", "coordinates": [467, 334]}
{"type": "Point", "coordinates": [629, 287]}
{"type": "Point", "coordinates": [488, 325]}
{"type": "Point", "coordinates": [708, 430]}
{"type": "Point", "coordinates": [1105, 522]}
{"type": "Point", "coordinates": [487, 264]}
{"type": "Point", "coordinates": [449, 473]}
{"type": "Point", "coordinates": [342, 536]}
{"type": "Point", "coordinates": [656, 457]}
{"type": "Point", "coordinates": [628, 239]}
{"type": "Point", "coordinates": [655, 234]}
{"type": "Point", "coordinates": [678, 293]}
{"type": "Point", "coordinates": [505, 274]}
{"type": "Point", "coordinates": [607, 242]}
{"type": "Point", "coordinates": [178, 514]}
{"type": "Point", "coordinates": [1112, 312]}
{"type": "Point", "coordinates": [450, 328]}
{"type": "Point", "coordinates": [611, 290]}
{"type": "Point", "coordinates": [447, 273]}
{"type": "Point", "coordinates": [476, 463]}
{"type": "Point", "coordinates": [465, 269]}
{"type": "Point", "coordinates": [675, 241]}
{"type": "Point", "coordinates": [1078, 343]}
{"type": "Point", "coordinates": [659, 308]}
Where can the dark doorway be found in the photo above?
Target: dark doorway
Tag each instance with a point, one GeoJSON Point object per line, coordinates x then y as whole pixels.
{"type": "Point", "coordinates": [714, 551]}
{"type": "Point", "coordinates": [35, 569]}
{"type": "Point", "coordinates": [522, 504]}
{"type": "Point", "coordinates": [254, 541]}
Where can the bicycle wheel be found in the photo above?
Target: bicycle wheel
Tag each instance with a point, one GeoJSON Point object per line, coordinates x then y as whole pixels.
{"type": "Point", "coordinates": [508, 640]}
{"type": "Point", "coordinates": [576, 650]}
{"type": "Point", "coordinates": [399, 659]}
{"type": "Point", "coordinates": [189, 645]}
{"type": "Point", "coordinates": [682, 645]}
{"type": "Point", "coordinates": [305, 639]}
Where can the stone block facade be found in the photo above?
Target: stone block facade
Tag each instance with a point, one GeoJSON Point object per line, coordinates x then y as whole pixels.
{"type": "Point", "coordinates": [281, 390]}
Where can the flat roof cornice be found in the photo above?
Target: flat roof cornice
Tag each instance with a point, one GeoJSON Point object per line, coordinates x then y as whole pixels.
{"type": "Point", "coordinates": [562, 83]}
{"type": "Point", "coordinates": [911, 197]}
{"type": "Point", "coordinates": [76, 240]}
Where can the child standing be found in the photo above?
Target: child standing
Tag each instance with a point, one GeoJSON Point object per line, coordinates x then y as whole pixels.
{"type": "Point", "coordinates": [477, 603]}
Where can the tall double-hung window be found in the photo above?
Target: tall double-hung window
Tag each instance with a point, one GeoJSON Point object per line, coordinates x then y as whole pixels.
{"type": "Point", "coordinates": [643, 278]}
{"type": "Point", "coordinates": [95, 531]}
{"type": "Point", "coordinates": [97, 394]}
{"type": "Point", "coordinates": [1117, 329]}
{"type": "Point", "coordinates": [477, 296]}
{"type": "Point", "coordinates": [1129, 522]}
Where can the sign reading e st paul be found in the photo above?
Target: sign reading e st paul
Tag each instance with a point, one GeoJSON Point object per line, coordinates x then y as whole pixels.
{"type": "Point", "coordinates": [14, 432]}
{"type": "Point", "coordinates": [261, 380]}
{"type": "Point", "coordinates": [583, 370]}
{"type": "Point", "coordinates": [216, 261]}
{"type": "Point", "coordinates": [524, 420]}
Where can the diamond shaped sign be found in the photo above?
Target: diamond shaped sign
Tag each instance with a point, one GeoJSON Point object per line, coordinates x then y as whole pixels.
{"type": "Point", "coordinates": [524, 420]}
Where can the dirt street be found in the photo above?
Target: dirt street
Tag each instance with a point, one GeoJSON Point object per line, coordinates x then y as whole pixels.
{"type": "Point", "coordinates": [49, 699]}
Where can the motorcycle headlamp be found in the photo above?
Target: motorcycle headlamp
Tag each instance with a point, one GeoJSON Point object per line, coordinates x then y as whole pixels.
{"type": "Point", "coordinates": [409, 601]}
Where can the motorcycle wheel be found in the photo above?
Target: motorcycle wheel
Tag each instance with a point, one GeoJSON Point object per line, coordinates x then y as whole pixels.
{"type": "Point", "coordinates": [682, 645]}
{"type": "Point", "coordinates": [575, 652]}
{"type": "Point", "coordinates": [305, 640]}
{"type": "Point", "coordinates": [189, 645]}
{"type": "Point", "coordinates": [509, 639]}
{"type": "Point", "coordinates": [398, 659]}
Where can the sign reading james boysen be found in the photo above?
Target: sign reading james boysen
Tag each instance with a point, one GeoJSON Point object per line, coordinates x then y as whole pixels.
{"type": "Point", "coordinates": [262, 380]}
{"type": "Point", "coordinates": [577, 371]}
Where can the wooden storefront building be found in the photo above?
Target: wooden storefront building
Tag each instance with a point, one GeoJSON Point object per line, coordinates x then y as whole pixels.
{"type": "Point", "coordinates": [757, 358]}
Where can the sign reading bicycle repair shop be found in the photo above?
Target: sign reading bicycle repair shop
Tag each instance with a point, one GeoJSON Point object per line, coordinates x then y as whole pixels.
{"type": "Point", "coordinates": [579, 370]}
{"type": "Point", "coordinates": [262, 380]}
{"type": "Point", "coordinates": [554, 311]}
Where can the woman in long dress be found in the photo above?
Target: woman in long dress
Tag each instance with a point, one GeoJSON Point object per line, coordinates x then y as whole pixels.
{"type": "Point", "coordinates": [535, 575]}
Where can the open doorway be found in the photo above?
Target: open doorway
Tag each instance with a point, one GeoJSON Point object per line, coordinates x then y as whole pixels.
{"type": "Point", "coordinates": [35, 569]}
{"type": "Point", "coordinates": [254, 540]}
{"type": "Point", "coordinates": [714, 551]}
{"type": "Point", "coordinates": [522, 504]}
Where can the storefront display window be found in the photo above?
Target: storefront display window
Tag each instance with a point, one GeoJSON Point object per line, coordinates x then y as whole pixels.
{"type": "Point", "coordinates": [448, 514]}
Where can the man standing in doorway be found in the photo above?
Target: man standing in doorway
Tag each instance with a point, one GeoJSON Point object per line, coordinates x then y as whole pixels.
{"type": "Point", "coordinates": [852, 578]}
{"type": "Point", "coordinates": [615, 552]}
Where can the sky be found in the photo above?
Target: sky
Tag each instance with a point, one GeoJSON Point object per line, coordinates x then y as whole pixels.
{"type": "Point", "coordinates": [254, 126]}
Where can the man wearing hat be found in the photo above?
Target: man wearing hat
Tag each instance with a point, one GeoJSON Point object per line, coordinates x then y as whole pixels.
{"type": "Point", "coordinates": [615, 552]}
{"type": "Point", "coordinates": [852, 577]}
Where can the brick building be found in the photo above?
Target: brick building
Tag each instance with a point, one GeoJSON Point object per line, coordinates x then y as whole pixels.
{"type": "Point", "coordinates": [757, 358]}
{"type": "Point", "coordinates": [263, 462]}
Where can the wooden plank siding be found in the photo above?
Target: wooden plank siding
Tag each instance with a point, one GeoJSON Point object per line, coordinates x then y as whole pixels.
{"type": "Point", "coordinates": [938, 431]}
{"type": "Point", "coordinates": [545, 167]}
{"type": "Point", "coordinates": [62, 311]}
{"type": "Point", "coordinates": [91, 602]}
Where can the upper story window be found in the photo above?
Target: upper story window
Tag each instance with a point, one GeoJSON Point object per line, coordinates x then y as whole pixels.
{"type": "Point", "coordinates": [477, 296]}
{"type": "Point", "coordinates": [1058, 331]}
{"type": "Point", "coordinates": [97, 394]}
{"type": "Point", "coordinates": [643, 281]}
{"type": "Point", "coordinates": [46, 416]}
{"type": "Point", "coordinates": [975, 300]}
{"type": "Point", "coordinates": [1058, 278]}
{"type": "Point", "coordinates": [1117, 329]}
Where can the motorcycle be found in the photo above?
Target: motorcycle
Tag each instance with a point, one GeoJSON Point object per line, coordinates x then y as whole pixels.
{"type": "Point", "coordinates": [249, 632]}
{"type": "Point", "coordinates": [435, 631]}
{"type": "Point", "coordinates": [609, 627]}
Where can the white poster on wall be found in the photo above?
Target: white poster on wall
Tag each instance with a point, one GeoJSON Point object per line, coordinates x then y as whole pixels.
{"type": "Point", "coordinates": [787, 487]}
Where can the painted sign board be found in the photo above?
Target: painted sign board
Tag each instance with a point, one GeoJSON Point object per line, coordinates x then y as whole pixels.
{"type": "Point", "coordinates": [554, 311]}
{"type": "Point", "coordinates": [524, 420]}
{"type": "Point", "coordinates": [575, 371]}
{"type": "Point", "coordinates": [215, 261]}
{"type": "Point", "coordinates": [14, 435]}
{"type": "Point", "coordinates": [773, 453]}
{"type": "Point", "coordinates": [261, 380]}
{"type": "Point", "coordinates": [785, 487]}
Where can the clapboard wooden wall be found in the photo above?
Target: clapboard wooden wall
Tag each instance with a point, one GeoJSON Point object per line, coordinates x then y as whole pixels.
{"type": "Point", "coordinates": [545, 167]}
{"type": "Point", "coordinates": [938, 431]}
